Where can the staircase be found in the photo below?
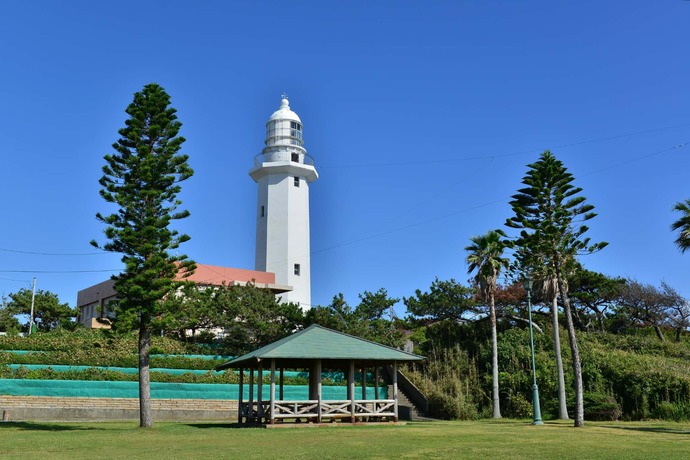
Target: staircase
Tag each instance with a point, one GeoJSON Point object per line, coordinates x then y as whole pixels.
{"type": "Point", "coordinates": [406, 409]}
{"type": "Point", "coordinates": [412, 404]}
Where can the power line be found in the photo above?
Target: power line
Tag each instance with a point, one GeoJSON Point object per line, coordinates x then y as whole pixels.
{"type": "Point", "coordinates": [679, 146]}
{"type": "Point", "coordinates": [444, 216]}
{"type": "Point", "coordinates": [17, 251]}
{"type": "Point", "coordinates": [60, 271]}
{"type": "Point", "coordinates": [503, 155]}
{"type": "Point", "coordinates": [17, 281]}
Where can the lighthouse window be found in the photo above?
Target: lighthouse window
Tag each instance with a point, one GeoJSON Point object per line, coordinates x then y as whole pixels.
{"type": "Point", "coordinates": [295, 125]}
{"type": "Point", "coordinates": [295, 157]}
{"type": "Point", "coordinates": [263, 211]}
{"type": "Point", "coordinates": [296, 182]}
{"type": "Point", "coordinates": [297, 269]}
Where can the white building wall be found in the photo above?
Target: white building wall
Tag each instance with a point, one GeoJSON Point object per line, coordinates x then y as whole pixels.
{"type": "Point", "coordinates": [282, 229]}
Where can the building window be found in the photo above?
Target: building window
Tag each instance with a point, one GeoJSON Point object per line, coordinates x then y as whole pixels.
{"type": "Point", "coordinates": [295, 125]}
{"type": "Point", "coordinates": [295, 157]}
{"type": "Point", "coordinates": [297, 269]}
{"type": "Point", "coordinates": [296, 181]}
{"type": "Point", "coordinates": [263, 211]}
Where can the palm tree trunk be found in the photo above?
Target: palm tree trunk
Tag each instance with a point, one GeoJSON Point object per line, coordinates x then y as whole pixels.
{"type": "Point", "coordinates": [562, 406]}
{"type": "Point", "coordinates": [145, 413]}
{"type": "Point", "coordinates": [575, 351]}
{"type": "Point", "coordinates": [494, 359]}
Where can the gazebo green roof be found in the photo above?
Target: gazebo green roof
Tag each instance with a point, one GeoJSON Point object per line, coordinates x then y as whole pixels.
{"type": "Point", "coordinates": [319, 343]}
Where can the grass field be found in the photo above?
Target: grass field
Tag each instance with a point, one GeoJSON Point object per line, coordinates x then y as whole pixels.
{"type": "Point", "coordinates": [506, 439]}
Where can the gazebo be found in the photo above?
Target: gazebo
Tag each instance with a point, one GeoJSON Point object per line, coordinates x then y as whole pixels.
{"type": "Point", "coordinates": [317, 348]}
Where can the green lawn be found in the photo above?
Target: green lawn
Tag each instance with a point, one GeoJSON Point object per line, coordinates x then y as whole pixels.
{"type": "Point", "coordinates": [505, 439]}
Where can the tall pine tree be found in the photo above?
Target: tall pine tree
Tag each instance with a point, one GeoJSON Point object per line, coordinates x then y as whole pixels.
{"type": "Point", "coordinates": [142, 179]}
{"type": "Point", "coordinates": [551, 215]}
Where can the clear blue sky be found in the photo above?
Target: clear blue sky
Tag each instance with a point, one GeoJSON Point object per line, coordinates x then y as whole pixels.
{"type": "Point", "coordinates": [421, 117]}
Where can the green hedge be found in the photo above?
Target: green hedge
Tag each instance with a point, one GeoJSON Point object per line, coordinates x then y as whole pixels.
{"type": "Point", "coordinates": [89, 339]}
{"type": "Point", "coordinates": [95, 373]}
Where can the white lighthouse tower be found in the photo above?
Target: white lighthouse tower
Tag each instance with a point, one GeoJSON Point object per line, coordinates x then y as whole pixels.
{"type": "Point", "coordinates": [283, 171]}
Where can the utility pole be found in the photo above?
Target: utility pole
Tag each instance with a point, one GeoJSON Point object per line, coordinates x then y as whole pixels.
{"type": "Point", "coordinates": [33, 298]}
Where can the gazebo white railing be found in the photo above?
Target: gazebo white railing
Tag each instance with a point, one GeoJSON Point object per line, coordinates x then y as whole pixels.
{"type": "Point", "coordinates": [330, 409]}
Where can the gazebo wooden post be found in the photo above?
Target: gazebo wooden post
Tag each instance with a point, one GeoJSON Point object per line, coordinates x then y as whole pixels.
{"type": "Point", "coordinates": [364, 383]}
{"type": "Point", "coordinates": [250, 412]}
{"type": "Point", "coordinates": [395, 391]}
{"type": "Point", "coordinates": [239, 399]}
{"type": "Point", "coordinates": [351, 389]}
{"type": "Point", "coordinates": [319, 397]}
{"type": "Point", "coordinates": [376, 382]}
{"type": "Point", "coordinates": [271, 410]}
{"type": "Point", "coordinates": [282, 380]}
{"type": "Point", "coordinates": [259, 392]}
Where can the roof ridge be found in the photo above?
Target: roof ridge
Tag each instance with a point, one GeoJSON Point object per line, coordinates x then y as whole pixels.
{"type": "Point", "coordinates": [326, 344]}
{"type": "Point", "coordinates": [363, 340]}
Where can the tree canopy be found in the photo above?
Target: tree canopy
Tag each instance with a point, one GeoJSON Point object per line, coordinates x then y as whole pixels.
{"type": "Point", "coordinates": [682, 225]}
{"type": "Point", "coordinates": [8, 322]}
{"type": "Point", "coordinates": [49, 312]}
{"type": "Point", "coordinates": [367, 320]}
{"type": "Point", "coordinates": [445, 300]}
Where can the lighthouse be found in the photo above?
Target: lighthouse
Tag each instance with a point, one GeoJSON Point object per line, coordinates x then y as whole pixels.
{"type": "Point", "coordinates": [284, 172]}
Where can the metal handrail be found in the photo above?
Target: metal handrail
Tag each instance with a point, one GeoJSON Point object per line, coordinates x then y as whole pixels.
{"type": "Point", "coordinates": [283, 156]}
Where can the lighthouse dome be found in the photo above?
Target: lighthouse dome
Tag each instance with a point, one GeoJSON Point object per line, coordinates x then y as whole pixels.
{"type": "Point", "coordinates": [284, 112]}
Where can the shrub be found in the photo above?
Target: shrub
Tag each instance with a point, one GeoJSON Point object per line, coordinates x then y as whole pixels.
{"type": "Point", "coordinates": [678, 412]}
{"type": "Point", "coordinates": [600, 407]}
{"type": "Point", "coordinates": [449, 380]}
{"type": "Point", "coordinates": [518, 406]}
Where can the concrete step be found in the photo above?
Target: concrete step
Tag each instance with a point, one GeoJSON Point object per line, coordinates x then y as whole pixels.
{"type": "Point", "coordinates": [403, 401]}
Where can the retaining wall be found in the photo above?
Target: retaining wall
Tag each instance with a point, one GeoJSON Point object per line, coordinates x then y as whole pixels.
{"type": "Point", "coordinates": [46, 408]}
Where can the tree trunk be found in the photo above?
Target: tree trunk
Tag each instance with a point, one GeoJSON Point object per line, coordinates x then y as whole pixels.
{"type": "Point", "coordinates": [600, 318]}
{"type": "Point", "coordinates": [659, 333]}
{"type": "Point", "coordinates": [562, 406]}
{"type": "Point", "coordinates": [494, 358]}
{"type": "Point", "coordinates": [145, 413]}
{"type": "Point", "coordinates": [535, 326]}
{"type": "Point", "coordinates": [575, 351]}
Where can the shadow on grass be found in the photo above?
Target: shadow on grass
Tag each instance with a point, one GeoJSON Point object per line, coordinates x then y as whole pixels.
{"type": "Point", "coordinates": [520, 422]}
{"type": "Point", "coordinates": [33, 426]}
{"type": "Point", "coordinates": [651, 429]}
{"type": "Point", "coordinates": [220, 425]}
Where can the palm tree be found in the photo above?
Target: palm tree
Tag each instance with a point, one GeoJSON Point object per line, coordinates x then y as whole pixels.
{"type": "Point", "coordinates": [485, 257]}
{"type": "Point", "coordinates": [682, 224]}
